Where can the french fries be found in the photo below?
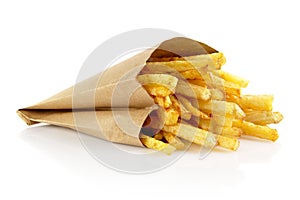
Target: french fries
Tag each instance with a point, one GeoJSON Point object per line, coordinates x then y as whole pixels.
{"type": "Point", "coordinates": [173, 140]}
{"type": "Point", "coordinates": [193, 91]}
{"type": "Point", "coordinates": [263, 132]}
{"type": "Point", "coordinates": [263, 117]}
{"type": "Point", "coordinates": [202, 104]}
{"type": "Point", "coordinates": [232, 78]}
{"type": "Point", "coordinates": [155, 144]}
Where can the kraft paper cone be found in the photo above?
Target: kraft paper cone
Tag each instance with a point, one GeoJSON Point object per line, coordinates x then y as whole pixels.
{"type": "Point", "coordinates": [115, 88]}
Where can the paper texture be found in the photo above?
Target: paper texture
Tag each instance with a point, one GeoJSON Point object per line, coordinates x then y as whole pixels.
{"type": "Point", "coordinates": [114, 93]}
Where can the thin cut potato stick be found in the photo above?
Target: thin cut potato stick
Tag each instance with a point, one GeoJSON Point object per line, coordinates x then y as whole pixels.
{"type": "Point", "coordinates": [210, 61]}
{"type": "Point", "coordinates": [232, 78]}
{"type": "Point", "coordinates": [164, 102]}
{"type": "Point", "coordinates": [253, 102]}
{"type": "Point", "coordinates": [158, 136]}
{"type": "Point", "coordinates": [228, 142]}
{"type": "Point", "coordinates": [157, 90]}
{"type": "Point", "coordinates": [184, 113]}
{"type": "Point", "coordinates": [206, 123]}
{"type": "Point", "coordinates": [223, 130]}
{"type": "Point", "coordinates": [192, 134]}
{"type": "Point", "coordinates": [193, 91]}
{"type": "Point", "coordinates": [221, 108]}
{"type": "Point", "coordinates": [202, 137]}
{"type": "Point", "coordinates": [217, 94]}
{"type": "Point", "coordinates": [231, 132]}
{"type": "Point", "coordinates": [173, 140]}
{"type": "Point", "coordinates": [165, 80]}
{"type": "Point", "coordinates": [227, 87]}
{"type": "Point", "coordinates": [199, 82]}
{"type": "Point", "coordinates": [194, 111]}
{"type": "Point", "coordinates": [152, 143]}
{"type": "Point", "coordinates": [263, 117]}
{"type": "Point", "coordinates": [251, 129]}
{"type": "Point", "coordinates": [171, 116]}
{"type": "Point", "coordinates": [192, 74]}
{"type": "Point", "coordinates": [223, 121]}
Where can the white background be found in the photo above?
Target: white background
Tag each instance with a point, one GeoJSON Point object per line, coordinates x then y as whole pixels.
{"type": "Point", "coordinates": [43, 45]}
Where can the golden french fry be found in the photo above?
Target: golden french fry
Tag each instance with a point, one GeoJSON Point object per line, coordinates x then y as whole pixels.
{"type": "Point", "coordinates": [193, 91]}
{"type": "Point", "coordinates": [209, 61]}
{"type": "Point", "coordinates": [194, 111]}
{"type": "Point", "coordinates": [217, 94]}
{"type": "Point", "coordinates": [192, 134]}
{"type": "Point", "coordinates": [164, 102]}
{"type": "Point", "coordinates": [214, 81]}
{"type": "Point", "coordinates": [158, 136]}
{"type": "Point", "coordinates": [164, 80]}
{"type": "Point", "coordinates": [232, 78]}
{"type": "Point", "coordinates": [152, 143]}
{"type": "Point", "coordinates": [223, 121]}
{"type": "Point", "coordinates": [228, 142]}
{"type": "Point", "coordinates": [225, 86]}
{"type": "Point", "coordinates": [184, 113]}
{"type": "Point", "coordinates": [171, 116]}
{"type": "Point", "coordinates": [175, 102]}
{"type": "Point", "coordinates": [173, 140]}
{"type": "Point", "coordinates": [231, 132]}
{"type": "Point", "coordinates": [263, 117]}
{"type": "Point", "coordinates": [253, 102]}
{"type": "Point", "coordinates": [202, 137]}
{"type": "Point", "coordinates": [206, 123]}
{"type": "Point", "coordinates": [192, 74]}
{"type": "Point", "coordinates": [221, 108]}
{"type": "Point", "coordinates": [223, 130]}
{"type": "Point", "coordinates": [251, 129]}
{"type": "Point", "coordinates": [199, 82]}
{"type": "Point", "coordinates": [157, 90]}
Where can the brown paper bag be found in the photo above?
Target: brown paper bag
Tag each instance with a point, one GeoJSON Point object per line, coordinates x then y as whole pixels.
{"type": "Point", "coordinates": [111, 105]}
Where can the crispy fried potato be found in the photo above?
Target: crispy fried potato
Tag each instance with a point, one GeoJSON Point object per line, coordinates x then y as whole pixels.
{"type": "Point", "coordinates": [208, 108]}
{"type": "Point", "coordinates": [164, 80]}
{"type": "Point", "coordinates": [192, 134]}
{"type": "Point", "coordinates": [194, 111]}
{"type": "Point", "coordinates": [209, 61]}
{"type": "Point", "coordinates": [232, 78]}
{"type": "Point", "coordinates": [206, 123]}
{"type": "Point", "coordinates": [221, 108]}
{"type": "Point", "coordinates": [253, 102]}
{"type": "Point", "coordinates": [228, 142]}
{"type": "Point", "coordinates": [251, 129]}
{"type": "Point", "coordinates": [192, 74]}
{"type": "Point", "coordinates": [202, 137]}
{"type": "Point", "coordinates": [263, 117]}
{"type": "Point", "coordinates": [193, 91]}
{"type": "Point", "coordinates": [232, 132]}
{"type": "Point", "coordinates": [171, 116]}
{"type": "Point", "coordinates": [173, 140]}
{"type": "Point", "coordinates": [152, 143]}
{"type": "Point", "coordinates": [217, 94]}
{"type": "Point", "coordinates": [158, 136]}
{"type": "Point", "coordinates": [157, 90]}
{"type": "Point", "coordinates": [184, 113]}
{"type": "Point", "coordinates": [222, 130]}
{"type": "Point", "coordinates": [227, 87]}
{"type": "Point", "coordinates": [164, 102]}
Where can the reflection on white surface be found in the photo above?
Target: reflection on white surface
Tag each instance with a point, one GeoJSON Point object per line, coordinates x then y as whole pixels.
{"type": "Point", "coordinates": [221, 167]}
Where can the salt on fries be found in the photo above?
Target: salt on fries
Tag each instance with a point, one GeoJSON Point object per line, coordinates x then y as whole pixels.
{"type": "Point", "coordinates": [203, 104]}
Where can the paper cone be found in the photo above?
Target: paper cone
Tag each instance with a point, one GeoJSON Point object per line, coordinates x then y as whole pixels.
{"type": "Point", "coordinates": [114, 93]}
